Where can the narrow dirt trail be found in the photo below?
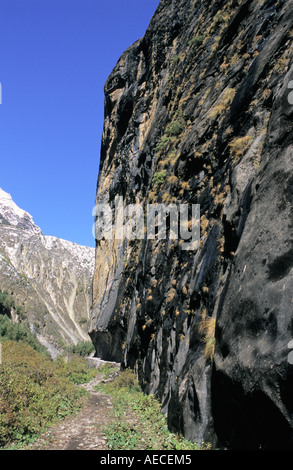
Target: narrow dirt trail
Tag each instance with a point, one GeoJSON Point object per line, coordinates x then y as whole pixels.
{"type": "Point", "coordinates": [83, 431]}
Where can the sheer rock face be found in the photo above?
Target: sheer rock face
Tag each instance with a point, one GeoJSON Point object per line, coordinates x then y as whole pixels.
{"type": "Point", "coordinates": [50, 278]}
{"type": "Point", "coordinates": [198, 111]}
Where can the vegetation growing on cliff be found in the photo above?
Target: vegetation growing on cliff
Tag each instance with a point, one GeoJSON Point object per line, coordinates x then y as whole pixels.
{"type": "Point", "coordinates": [19, 331]}
{"type": "Point", "coordinates": [7, 303]}
{"type": "Point", "coordinates": [224, 68]}
{"type": "Point", "coordinates": [138, 423]}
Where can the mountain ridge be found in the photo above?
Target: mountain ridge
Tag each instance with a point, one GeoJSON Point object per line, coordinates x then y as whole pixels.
{"type": "Point", "coordinates": [49, 277]}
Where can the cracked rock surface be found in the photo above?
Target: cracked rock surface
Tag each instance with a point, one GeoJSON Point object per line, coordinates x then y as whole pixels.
{"type": "Point", "coordinates": [197, 112]}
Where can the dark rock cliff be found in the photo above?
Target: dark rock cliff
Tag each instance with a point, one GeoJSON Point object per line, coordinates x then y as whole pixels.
{"type": "Point", "coordinates": [198, 111]}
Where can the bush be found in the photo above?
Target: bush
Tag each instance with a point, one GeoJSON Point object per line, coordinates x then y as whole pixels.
{"type": "Point", "coordinates": [75, 369]}
{"type": "Point", "coordinates": [176, 59]}
{"type": "Point", "coordinates": [196, 41]}
{"type": "Point", "coordinates": [126, 379]}
{"type": "Point", "coordinates": [6, 303]}
{"type": "Point", "coordinates": [15, 331]}
{"type": "Point", "coordinates": [34, 392]}
{"type": "Point", "coordinates": [159, 177]}
{"type": "Point", "coordinates": [83, 348]}
{"type": "Point", "coordinates": [177, 126]}
{"type": "Point", "coordinates": [172, 131]}
{"type": "Point", "coordinates": [18, 332]}
{"type": "Point", "coordinates": [139, 422]}
{"type": "Point", "coordinates": [174, 128]}
{"type": "Point", "coordinates": [163, 144]}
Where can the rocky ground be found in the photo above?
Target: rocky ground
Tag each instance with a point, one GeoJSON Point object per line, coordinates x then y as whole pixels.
{"type": "Point", "coordinates": [83, 431]}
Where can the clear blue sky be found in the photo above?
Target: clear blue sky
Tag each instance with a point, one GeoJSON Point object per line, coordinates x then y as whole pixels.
{"type": "Point", "coordinates": [55, 56]}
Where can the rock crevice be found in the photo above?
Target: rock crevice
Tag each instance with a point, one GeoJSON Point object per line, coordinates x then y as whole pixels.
{"type": "Point", "coordinates": [197, 112]}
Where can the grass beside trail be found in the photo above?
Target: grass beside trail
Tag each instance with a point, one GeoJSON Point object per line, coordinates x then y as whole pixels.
{"type": "Point", "coordinates": [35, 391]}
{"type": "Point", "coordinates": [138, 423]}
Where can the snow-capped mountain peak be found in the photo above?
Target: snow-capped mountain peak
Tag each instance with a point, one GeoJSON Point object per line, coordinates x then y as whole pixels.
{"type": "Point", "coordinates": [11, 214]}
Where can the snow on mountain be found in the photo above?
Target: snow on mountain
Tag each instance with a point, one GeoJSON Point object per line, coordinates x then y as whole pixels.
{"type": "Point", "coordinates": [12, 214]}
{"type": "Point", "coordinates": [49, 277]}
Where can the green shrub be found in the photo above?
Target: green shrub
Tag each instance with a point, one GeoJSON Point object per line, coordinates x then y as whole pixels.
{"type": "Point", "coordinates": [127, 379]}
{"type": "Point", "coordinates": [18, 332]}
{"type": "Point", "coordinates": [177, 126]}
{"type": "Point", "coordinates": [105, 370]}
{"type": "Point", "coordinates": [174, 128]}
{"type": "Point", "coordinates": [34, 392]}
{"type": "Point", "coordinates": [196, 40]}
{"type": "Point", "coordinates": [10, 330]}
{"type": "Point", "coordinates": [139, 423]}
{"type": "Point", "coordinates": [75, 369]}
{"type": "Point", "coordinates": [6, 303]}
{"type": "Point", "coordinates": [176, 59]}
{"type": "Point", "coordinates": [159, 178]}
{"type": "Point", "coordinates": [83, 348]}
{"type": "Point", "coordinates": [163, 143]}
